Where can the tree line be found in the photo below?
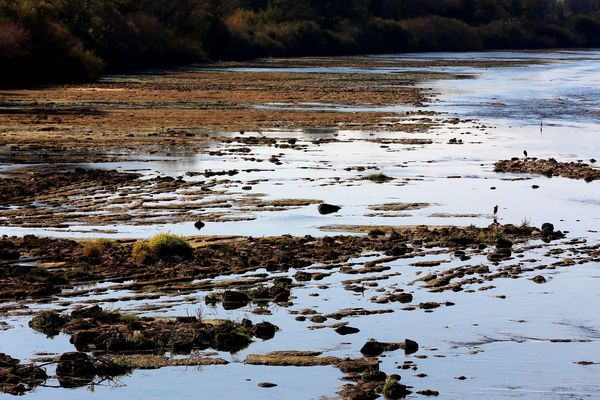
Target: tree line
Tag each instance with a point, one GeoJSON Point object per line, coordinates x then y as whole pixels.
{"type": "Point", "coordinates": [75, 40]}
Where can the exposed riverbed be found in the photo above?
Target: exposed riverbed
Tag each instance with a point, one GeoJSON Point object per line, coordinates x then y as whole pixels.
{"type": "Point", "coordinates": [253, 149]}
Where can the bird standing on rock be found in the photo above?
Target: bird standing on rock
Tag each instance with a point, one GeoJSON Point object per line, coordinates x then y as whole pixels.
{"type": "Point", "coordinates": [495, 210]}
{"type": "Point", "coordinates": [525, 152]}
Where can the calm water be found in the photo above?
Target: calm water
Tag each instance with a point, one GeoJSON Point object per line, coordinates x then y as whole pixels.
{"type": "Point", "coordinates": [562, 94]}
{"type": "Point", "coordinates": [478, 338]}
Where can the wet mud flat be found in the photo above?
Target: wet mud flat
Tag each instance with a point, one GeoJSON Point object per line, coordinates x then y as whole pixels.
{"type": "Point", "coordinates": [148, 113]}
{"type": "Point", "coordinates": [347, 224]}
{"type": "Point", "coordinates": [261, 277]}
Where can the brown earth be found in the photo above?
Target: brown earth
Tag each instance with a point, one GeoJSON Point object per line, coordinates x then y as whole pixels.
{"type": "Point", "coordinates": [64, 263]}
{"type": "Point", "coordinates": [186, 108]}
{"type": "Point", "coordinates": [549, 168]}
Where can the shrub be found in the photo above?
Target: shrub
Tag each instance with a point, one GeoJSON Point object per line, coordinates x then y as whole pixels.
{"type": "Point", "coordinates": [441, 34]}
{"type": "Point", "coordinates": [383, 35]}
{"type": "Point", "coordinates": [169, 245]}
{"type": "Point", "coordinates": [72, 40]}
{"type": "Point", "coordinates": [13, 40]}
{"type": "Point", "coordinates": [588, 28]}
{"type": "Point", "coordinates": [163, 246]}
{"type": "Point", "coordinates": [95, 249]}
{"type": "Point", "coordinates": [142, 254]}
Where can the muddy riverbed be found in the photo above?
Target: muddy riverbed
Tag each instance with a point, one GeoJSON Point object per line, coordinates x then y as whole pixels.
{"type": "Point", "coordinates": [430, 216]}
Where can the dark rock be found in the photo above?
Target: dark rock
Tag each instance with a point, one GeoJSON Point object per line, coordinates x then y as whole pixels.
{"type": "Point", "coordinates": [359, 365]}
{"type": "Point", "coordinates": [264, 330]}
{"type": "Point", "coordinates": [402, 297]}
{"type": "Point", "coordinates": [49, 323]}
{"type": "Point", "coordinates": [283, 281]}
{"type": "Point", "coordinates": [539, 279]}
{"type": "Point", "coordinates": [395, 390]}
{"type": "Point", "coordinates": [549, 168]}
{"type": "Point", "coordinates": [230, 340]}
{"type": "Point", "coordinates": [409, 346]}
{"type": "Point", "coordinates": [430, 305]}
{"type": "Point", "coordinates": [318, 319]}
{"type": "Point", "coordinates": [428, 392]}
{"type": "Point", "coordinates": [75, 369]}
{"type": "Point", "coordinates": [547, 228]}
{"type": "Point", "coordinates": [302, 276]}
{"type": "Point", "coordinates": [325, 209]}
{"type": "Point", "coordinates": [82, 340]}
{"type": "Point", "coordinates": [397, 250]}
{"type": "Point", "coordinates": [7, 361]}
{"type": "Point", "coordinates": [16, 379]}
{"type": "Point", "coordinates": [87, 312]}
{"type": "Point", "coordinates": [266, 385]}
{"type": "Point", "coordinates": [374, 375]}
{"type": "Point", "coordinates": [500, 254]}
{"type": "Point", "coordinates": [502, 243]}
{"type": "Point", "coordinates": [186, 320]}
{"type": "Point", "coordinates": [9, 254]}
{"type": "Point", "coordinates": [279, 294]}
{"type": "Point", "coordinates": [199, 225]}
{"type": "Point", "coordinates": [374, 233]}
{"type": "Point", "coordinates": [346, 330]}
{"type": "Point", "coordinates": [234, 299]}
{"type": "Point", "coordinates": [372, 348]}
{"type": "Point", "coordinates": [357, 392]}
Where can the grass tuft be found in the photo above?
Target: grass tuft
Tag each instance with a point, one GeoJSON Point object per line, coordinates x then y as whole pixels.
{"type": "Point", "coordinates": [95, 249]}
{"type": "Point", "coordinates": [163, 246]}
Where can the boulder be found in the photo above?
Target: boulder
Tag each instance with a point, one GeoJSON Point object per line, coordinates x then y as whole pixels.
{"type": "Point", "coordinates": [199, 225]}
{"type": "Point", "coordinates": [264, 330]}
{"type": "Point", "coordinates": [346, 330]}
{"type": "Point", "coordinates": [325, 209]}
{"type": "Point", "coordinates": [75, 369]}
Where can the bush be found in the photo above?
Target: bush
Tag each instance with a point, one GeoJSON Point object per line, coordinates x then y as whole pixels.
{"type": "Point", "coordinates": [142, 254]}
{"type": "Point", "coordinates": [95, 249]}
{"type": "Point", "coordinates": [13, 40]}
{"type": "Point", "coordinates": [73, 40]}
{"type": "Point", "coordinates": [588, 29]}
{"type": "Point", "coordinates": [441, 34]}
{"type": "Point", "coordinates": [164, 246]}
{"type": "Point", "coordinates": [384, 35]}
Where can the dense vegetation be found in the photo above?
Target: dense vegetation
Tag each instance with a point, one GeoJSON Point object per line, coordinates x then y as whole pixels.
{"type": "Point", "coordinates": [66, 40]}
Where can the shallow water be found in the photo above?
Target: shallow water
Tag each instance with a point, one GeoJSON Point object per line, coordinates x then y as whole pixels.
{"type": "Point", "coordinates": [509, 102]}
{"type": "Point", "coordinates": [502, 345]}
{"type": "Point", "coordinates": [479, 336]}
